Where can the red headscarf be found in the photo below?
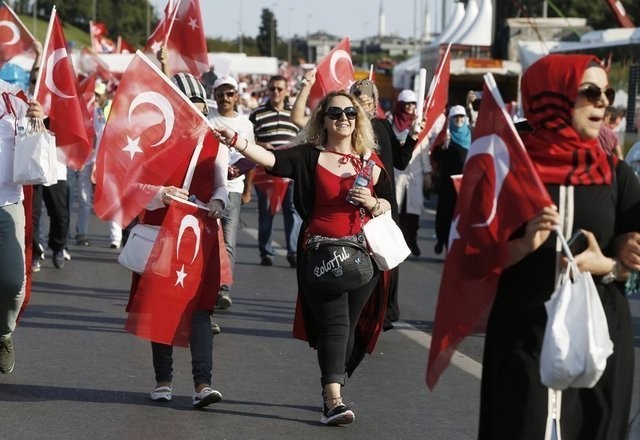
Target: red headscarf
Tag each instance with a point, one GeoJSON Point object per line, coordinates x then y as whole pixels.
{"type": "Point", "coordinates": [549, 90]}
{"type": "Point", "coordinates": [401, 119]}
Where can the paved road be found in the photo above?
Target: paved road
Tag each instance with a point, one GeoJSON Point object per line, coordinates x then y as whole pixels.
{"type": "Point", "coordinates": [79, 375]}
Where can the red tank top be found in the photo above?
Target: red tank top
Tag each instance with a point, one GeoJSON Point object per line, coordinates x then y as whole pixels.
{"type": "Point", "coordinates": [332, 215]}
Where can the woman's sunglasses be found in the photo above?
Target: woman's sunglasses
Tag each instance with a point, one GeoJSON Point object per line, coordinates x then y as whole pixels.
{"type": "Point", "coordinates": [335, 113]}
{"type": "Point", "coordinates": [594, 93]}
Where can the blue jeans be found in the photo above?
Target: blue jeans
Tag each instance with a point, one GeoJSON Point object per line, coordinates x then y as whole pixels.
{"type": "Point", "coordinates": [81, 188]}
{"type": "Point", "coordinates": [230, 221]}
{"type": "Point", "coordinates": [12, 264]}
{"type": "Point", "coordinates": [201, 344]}
{"type": "Point", "coordinates": [292, 223]}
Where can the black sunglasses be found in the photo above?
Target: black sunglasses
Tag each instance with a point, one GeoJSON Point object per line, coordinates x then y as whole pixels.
{"type": "Point", "coordinates": [335, 113]}
{"type": "Point", "coordinates": [594, 93]}
{"type": "Point", "coordinates": [276, 89]}
{"type": "Point", "coordinates": [228, 94]}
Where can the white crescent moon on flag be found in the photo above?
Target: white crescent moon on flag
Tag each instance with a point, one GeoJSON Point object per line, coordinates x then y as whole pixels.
{"type": "Point", "coordinates": [53, 59]}
{"type": "Point", "coordinates": [494, 146]}
{"type": "Point", "coordinates": [162, 103]}
{"type": "Point", "coordinates": [189, 222]}
{"type": "Point", "coordinates": [14, 30]}
{"type": "Point", "coordinates": [335, 57]}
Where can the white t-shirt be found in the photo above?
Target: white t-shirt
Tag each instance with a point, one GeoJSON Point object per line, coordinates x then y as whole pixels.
{"type": "Point", "coordinates": [244, 128]}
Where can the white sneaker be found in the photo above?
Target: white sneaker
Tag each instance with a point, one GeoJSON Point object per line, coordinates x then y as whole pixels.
{"type": "Point", "coordinates": [161, 394]}
{"type": "Point", "coordinates": [66, 254]}
{"type": "Point", "coordinates": [206, 397]}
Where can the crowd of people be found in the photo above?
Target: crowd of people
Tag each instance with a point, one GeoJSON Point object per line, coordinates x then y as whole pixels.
{"type": "Point", "coordinates": [312, 158]}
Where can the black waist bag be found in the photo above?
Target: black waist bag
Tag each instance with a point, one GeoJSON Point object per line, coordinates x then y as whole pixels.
{"type": "Point", "coordinates": [337, 265]}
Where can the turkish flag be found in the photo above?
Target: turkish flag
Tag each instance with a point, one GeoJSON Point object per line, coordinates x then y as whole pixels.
{"type": "Point", "coordinates": [89, 62]}
{"type": "Point", "coordinates": [226, 272]}
{"type": "Point", "coordinates": [169, 289]}
{"type": "Point", "coordinates": [100, 43]}
{"type": "Point", "coordinates": [58, 91]}
{"type": "Point", "coordinates": [152, 129]}
{"type": "Point", "coordinates": [272, 186]}
{"type": "Point", "coordinates": [438, 95]}
{"type": "Point", "coordinates": [87, 89]}
{"type": "Point", "coordinates": [500, 191]}
{"type": "Point", "coordinates": [15, 38]}
{"type": "Point", "coordinates": [182, 30]}
{"type": "Point", "coordinates": [333, 72]}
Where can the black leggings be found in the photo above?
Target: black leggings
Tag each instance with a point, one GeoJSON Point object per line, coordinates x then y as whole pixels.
{"type": "Point", "coordinates": [336, 317]}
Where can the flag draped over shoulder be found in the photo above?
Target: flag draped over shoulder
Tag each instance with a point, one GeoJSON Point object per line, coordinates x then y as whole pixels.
{"type": "Point", "coordinates": [500, 191]}
{"type": "Point", "coordinates": [15, 38]}
{"type": "Point", "coordinates": [438, 95]}
{"type": "Point", "coordinates": [333, 72]}
{"type": "Point", "coordinates": [167, 294]}
{"type": "Point", "coordinates": [58, 91]}
{"type": "Point", "coordinates": [152, 129]}
{"type": "Point", "coordinates": [181, 29]}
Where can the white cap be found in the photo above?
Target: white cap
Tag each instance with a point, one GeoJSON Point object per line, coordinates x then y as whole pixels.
{"type": "Point", "coordinates": [407, 96]}
{"type": "Point", "coordinates": [457, 110]}
{"type": "Point", "coordinates": [225, 79]}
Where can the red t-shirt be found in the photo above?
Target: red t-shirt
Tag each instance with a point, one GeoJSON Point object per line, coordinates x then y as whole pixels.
{"type": "Point", "coordinates": [332, 215]}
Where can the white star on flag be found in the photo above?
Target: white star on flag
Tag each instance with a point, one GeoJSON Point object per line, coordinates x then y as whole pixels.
{"type": "Point", "coordinates": [193, 23]}
{"type": "Point", "coordinates": [181, 275]}
{"type": "Point", "coordinates": [156, 46]}
{"type": "Point", "coordinates": [132, 147]}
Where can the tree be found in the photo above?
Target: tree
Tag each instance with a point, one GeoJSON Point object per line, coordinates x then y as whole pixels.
{"type": "Point", "coordinates": [267, 38]}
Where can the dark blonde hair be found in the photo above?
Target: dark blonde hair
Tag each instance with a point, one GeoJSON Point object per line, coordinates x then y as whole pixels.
{"type": "Point", "coordinates": [314, 132]}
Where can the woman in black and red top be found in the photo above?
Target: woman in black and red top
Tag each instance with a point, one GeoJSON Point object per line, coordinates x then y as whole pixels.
{"type": "Point", "coordinates": [338, 141]}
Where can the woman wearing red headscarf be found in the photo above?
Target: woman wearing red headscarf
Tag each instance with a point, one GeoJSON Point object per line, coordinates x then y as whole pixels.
{"type": "Point", "coordinates": [564, 99]}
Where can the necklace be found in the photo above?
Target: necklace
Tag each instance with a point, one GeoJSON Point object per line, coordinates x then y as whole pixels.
{"type": "Point", "coordinates": [344, 157]}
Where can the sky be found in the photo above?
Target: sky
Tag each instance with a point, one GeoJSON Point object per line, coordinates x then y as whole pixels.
{"type": "Point", "coordinates": [353, 18]}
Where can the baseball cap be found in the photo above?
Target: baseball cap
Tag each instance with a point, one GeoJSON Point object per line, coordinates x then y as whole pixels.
{"type": "Point", "coordinates": [407, 96]}
{"type": "Point", "coordinates": [225, 79]}
{"type": "Point", "coordinates": [457, 110]}
{"type": "Point", "coordinates": [100, 88]}
{"type": "Point", "coordinates": [191, 87]}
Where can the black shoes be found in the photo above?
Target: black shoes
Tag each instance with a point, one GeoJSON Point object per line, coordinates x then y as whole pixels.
{"type": "Point", "coordinates": [266, 261]}
{"type": "Point", "coordinates": [81, 240]}
{"type": "Point", "coordinates": [438, 248]}
{"type": "Point", "coordinates": [58, 259]}
{"type": "Point", "coordinates": [293, 261]}
{"type": "Point", "coordinates": [7, 355]}
{"type": "Point", "coordinates": [338, 415]}
{"type": "Point", "coordinates": [413, 247]}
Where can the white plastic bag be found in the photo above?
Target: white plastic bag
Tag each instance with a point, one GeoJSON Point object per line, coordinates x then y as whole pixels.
{"type": "Point", "coordinates": [386, 242]}
{"type": "Point", "coordinates": [35, 159]}
{"type": "Point", "coordinates": [136, 251]}
{"type": "Point", "coordinates": [576, 341]}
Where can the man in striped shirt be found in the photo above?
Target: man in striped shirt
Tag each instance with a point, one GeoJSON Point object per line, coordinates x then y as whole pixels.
{"type": "Point", "coordinates": [273, 129]}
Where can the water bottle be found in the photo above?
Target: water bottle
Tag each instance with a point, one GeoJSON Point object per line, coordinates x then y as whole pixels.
{"type": "Point", "coordinates": [362, 180]}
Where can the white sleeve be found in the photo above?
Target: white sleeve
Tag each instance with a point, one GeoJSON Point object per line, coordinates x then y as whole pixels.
{"type": "Point", "coordinates": [221, 168]}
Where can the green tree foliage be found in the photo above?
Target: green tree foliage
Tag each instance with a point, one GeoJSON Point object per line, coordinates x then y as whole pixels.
{"type": "Point", "coordinates": [127, 18]}
{"type": "Point", "coordinates": [267, 34]}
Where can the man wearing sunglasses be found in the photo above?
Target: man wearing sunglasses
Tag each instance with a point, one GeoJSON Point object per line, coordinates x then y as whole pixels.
{"type": "Point", "coordinates": [225, 93]}
{"type": "Point", "coordinates": [274, 129]}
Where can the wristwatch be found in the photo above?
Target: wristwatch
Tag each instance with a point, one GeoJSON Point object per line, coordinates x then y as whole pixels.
{"type": "Point", "coordinates": [612, 275]}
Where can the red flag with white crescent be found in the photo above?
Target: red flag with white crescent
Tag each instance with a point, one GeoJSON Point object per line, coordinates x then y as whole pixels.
{"type": "Point", "coordinates": [438, 95]}
{"type": "Point", "coordinates": [272, 186]}
{"type": "Point", "coordinates": [181, 29]}
{"type": "Point", "coordinates": [170, 286]}
{"type": "Point", "coordinates": [334, 72]}
{"type": "Point", "coordinates": [499, 192]}
{"type": "Point", "coordinates": [151, 130]}
{"type": "Point", "coordinates": [58, 91]}
{"type": "Point", "coordinates": [87, 89]}
{"type": "Point", "coordinates": [15, 38]}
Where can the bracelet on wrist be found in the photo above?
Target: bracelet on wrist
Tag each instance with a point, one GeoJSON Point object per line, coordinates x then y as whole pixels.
{"type": "Point", "coordinates": [376, 207]}
{"type": "Point", "coordinates": [234, 139]}
{"type": "Point", "coordinates": [245, 146]}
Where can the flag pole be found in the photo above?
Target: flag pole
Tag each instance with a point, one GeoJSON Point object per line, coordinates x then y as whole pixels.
{"type": "Point", "coordinates": [371, 72]}
{"type": "Point", "coordinates": [19, 21]}
{"type": "Point", "coordinates": [36, 89]}
{"type": "Point", "coordinates": [173, 19]}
